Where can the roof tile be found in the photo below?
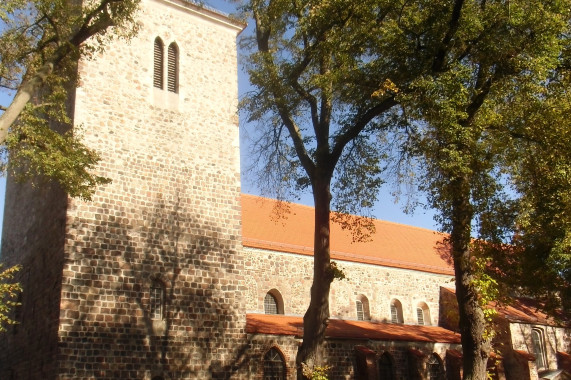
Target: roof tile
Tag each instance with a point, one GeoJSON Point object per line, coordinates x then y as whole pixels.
{"type": "Point", "coordinates": [342, 329]}
{"type": "Point", "coordinates": [290, 228]}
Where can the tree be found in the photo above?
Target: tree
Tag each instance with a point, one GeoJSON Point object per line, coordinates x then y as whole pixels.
{"type": "Point", "coordinates": [492, 56]}
{"type": "Point", "coordinates": [332, 76]}
{"type": "Point", "coordinates": [538, 261]}
{"type": "Point", "coordinates": [321, 99]}
{"type": "Point", "coordinates": [9, 292]}
{"type": "Point", "coordinates": [40, 44]}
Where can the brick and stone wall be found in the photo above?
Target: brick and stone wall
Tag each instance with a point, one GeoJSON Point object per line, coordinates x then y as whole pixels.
{"type": "Point", "coordinates": [341, 356]}
{"type": "Point", "coordinates": [555, 339]}
{"type": "Point", "coordinates": [33, 236]}
{"type": "Point", "coordinates": [171, 215]}
{"type": "Point", "coordinates": [291, 275]}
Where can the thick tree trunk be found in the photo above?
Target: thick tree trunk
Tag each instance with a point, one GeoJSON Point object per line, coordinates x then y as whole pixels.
{"type": "Point", "coordinates": [472, 323]}
{"type": "Point", "coordinates": [316, 317]}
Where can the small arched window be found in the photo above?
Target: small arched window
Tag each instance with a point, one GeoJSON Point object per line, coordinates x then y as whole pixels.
{"type": "Point", "coordinates": [435, 368]}
{"type": "Point", "coordinates": [362, 305]}
{"type": "Point", "coordinates": [158, 63]}
{"type": "Point", "coordinates": [157, 299]}
{"type": "Point", "coordinates": [396, 311]}
{"type": "Point", "coordinates": [538, 345]}
{"type": "Point", "coordinates": [274, 365]}
{"type": "Point", "coordinates": [386, 367]}
{"type": "Point", "coordinates": [270, 304]}
{"type": "Point", "coordinates": [360, 314]}
{"type": "Point", "coordinates": [172, 68]}
{"type": "Point", "coordinates": [273, 302]}
{"type": "Point", "coordinates": [423, 314]}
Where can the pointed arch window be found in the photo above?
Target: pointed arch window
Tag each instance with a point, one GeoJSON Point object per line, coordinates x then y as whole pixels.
{"type": "Point", "coordinates": [274, 365]}
{"type": "Point", "coordinates": [157, 299]}
{"type": "Point", "coordinates": [172, 68]}
{"type": "Point", "coordinates": [158, 63]}
{"type": "Point", "coordinates": [385, 366]}
{"type": "Point", "coordinates": [435, 368]}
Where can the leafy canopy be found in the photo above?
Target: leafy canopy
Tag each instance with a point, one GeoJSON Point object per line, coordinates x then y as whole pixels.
{"type": "Point", "coordinates": [40, 44]}
{"type": "Point", "coordinates": [9, 292]}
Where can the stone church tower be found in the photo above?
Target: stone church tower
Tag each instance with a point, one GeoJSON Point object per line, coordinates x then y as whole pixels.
{"type": "Point", "coordinates": [142, 282]}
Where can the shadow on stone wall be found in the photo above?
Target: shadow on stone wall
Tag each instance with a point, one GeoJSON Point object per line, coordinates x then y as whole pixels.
{"type": "Point", "coordinates": [107, 330]}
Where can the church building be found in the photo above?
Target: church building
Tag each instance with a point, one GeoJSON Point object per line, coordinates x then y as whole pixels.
{"type": "Point", "coordinates": [170, 272]}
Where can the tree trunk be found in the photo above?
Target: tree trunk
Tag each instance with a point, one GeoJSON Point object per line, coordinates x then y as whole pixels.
{"type": "Point", "coordinates": [472, 323]}
{"type": "Point", "coordinates": [22, 98]}
{"type": "Point", "coordinates": [316, 317]}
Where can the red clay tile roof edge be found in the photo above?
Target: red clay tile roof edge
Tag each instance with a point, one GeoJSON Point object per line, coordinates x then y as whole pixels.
{"type": "Point", "coordinates": [306, 251]}
{"type": "Point", "coordinates": [526, 355]}
{"type": "Point", "coordinates": [272, 324]}
{"type": "Point", "coordinates": [523, 310]}
{"type": "Point", "coordinates": [259, 233]}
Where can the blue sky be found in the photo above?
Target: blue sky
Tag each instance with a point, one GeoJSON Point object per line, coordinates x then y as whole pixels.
{"type": "Point", "coordinates": [385, 209]}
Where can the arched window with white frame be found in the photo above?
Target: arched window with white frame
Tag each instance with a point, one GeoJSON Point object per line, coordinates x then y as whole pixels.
{"type": "Point", "coordinates": [362, 308]}
{"type": "Point", "coordinates": [423, 314]}
{"type": "Point", "coordinates": [538, 346]}
{"type": "Point", "coordinates": [396, 311]}
{"type": "Point", "coordinates": [273, 302]}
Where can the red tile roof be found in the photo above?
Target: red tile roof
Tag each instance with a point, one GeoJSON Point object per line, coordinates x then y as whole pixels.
{"type": "Point", "coordinates": [564, 361]}
{"type": "Point", "coordinates": [522, 310]}
{"type": "Point", "coordinates": [393, 245]}
{"type": "Point", "coordinates": [342, 329]}
{"type": "Point", "coordinates": [525, 355]}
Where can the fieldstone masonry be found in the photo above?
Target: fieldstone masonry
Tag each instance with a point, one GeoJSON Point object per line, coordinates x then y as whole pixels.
{"type": "Point", "coordinates": [150, 280]}
{"type": "Point", "coordinates": [291, 275]}
{"type": "Point", "coordinates": [171, 214]}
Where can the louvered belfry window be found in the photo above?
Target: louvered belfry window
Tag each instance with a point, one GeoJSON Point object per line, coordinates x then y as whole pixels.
{"type": "Point", "coordinates": [158, 80]}
{"type": "Point", "coordinates": [173, 68]}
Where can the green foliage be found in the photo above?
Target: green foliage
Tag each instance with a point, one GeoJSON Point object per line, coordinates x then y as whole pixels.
{"type": "Point", "coordinates": [449, 80]}
{"type": "Point", "coordinates": [538, 261]}
{"type": "Point", "coordinates": [57, 33]}
{"type": "Point", "coordinates": [488, 293]}
{"type": "Point", "coordinates": [321, 99]}
{"type": "Point", "coordinates": [315, 373]}
{"type": "Point", "coordinates": [9, 292]}
{"type": "Point", "coordinates": [494, 54]}
{"type": "Point", "coordinates": [338, 273]}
